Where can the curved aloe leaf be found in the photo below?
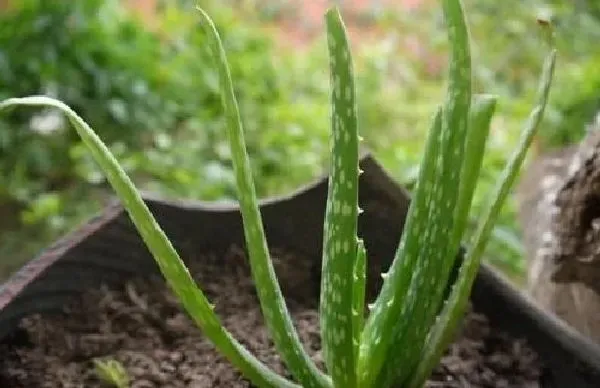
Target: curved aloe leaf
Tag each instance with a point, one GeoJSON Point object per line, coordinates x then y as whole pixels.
{"type": "Point", "coordinates": [169, 262]}
{"type": "Point", "coordinates": [421, 304]}
{"type": "Point", "coordinates": [411, 294]}
{"type": "Point", "coordinates": [442, 332]}
{"type": "Point", "coordinates": [481, 113]}
{"type": "Point", "coordinates": [340, 241]}
{"type": "Point", "coordinates": [370, 360]}
{"type": "Point", "coordinates": [271, 299]}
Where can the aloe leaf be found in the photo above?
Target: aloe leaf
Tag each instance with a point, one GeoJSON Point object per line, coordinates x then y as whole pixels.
{"type": "Point", "coordinates": [340, 241]}
{"type": "Point", "coordinates": [482, 111]}
{"type": "Point", "coordinates": [371, 358]}
{"type": "Point", "coordinates": [167, 258]}
{"type": "Point", "coordinates": [445, 327]}
{"type": "Point", "coordinates": [436, 259]}
{"type": "Point", "coordinates": [411, 293]}
{"type": "Point", "coordinates": [358, 294]}
{"type": "Point", "coordinates": [273, 304]}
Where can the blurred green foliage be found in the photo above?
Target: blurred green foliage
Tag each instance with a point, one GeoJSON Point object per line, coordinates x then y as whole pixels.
{"type": "Point", "coordinates": [152, 95]}
{"type": "Point", "coordinates": [509, 50]}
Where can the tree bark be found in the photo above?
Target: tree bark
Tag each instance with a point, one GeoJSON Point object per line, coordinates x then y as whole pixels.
{"type": "Point", "coordinates": [559, 211]}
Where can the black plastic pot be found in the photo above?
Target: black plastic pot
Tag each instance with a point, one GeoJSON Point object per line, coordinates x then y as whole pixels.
{"type": "Point", "coordinates": [108, 249]}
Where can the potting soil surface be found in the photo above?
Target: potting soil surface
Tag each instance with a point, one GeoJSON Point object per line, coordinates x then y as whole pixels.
{"type": "Point", "coordinates": [143, 326]}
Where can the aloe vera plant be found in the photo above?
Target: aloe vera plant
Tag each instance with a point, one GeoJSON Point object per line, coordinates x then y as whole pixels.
{"type": "Point", "coordinates": [401, 339]}
{"type": "Point", "coordinates": [112, 372]}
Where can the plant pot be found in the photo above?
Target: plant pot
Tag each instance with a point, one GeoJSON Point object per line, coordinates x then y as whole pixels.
{"type": "Point", "coordinates": [107, 251]}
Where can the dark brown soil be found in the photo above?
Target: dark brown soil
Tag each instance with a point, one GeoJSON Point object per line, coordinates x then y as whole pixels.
{"type": "Point", "coordinates": [144, 328]}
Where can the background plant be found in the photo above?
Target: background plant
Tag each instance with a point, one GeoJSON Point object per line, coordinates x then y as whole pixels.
{"type": "Point", "coordinates": [49, 183]}
{"type": "Point", "coordinates": [141, 87]}
{"type": "Point", "coordinates": [405, 311]}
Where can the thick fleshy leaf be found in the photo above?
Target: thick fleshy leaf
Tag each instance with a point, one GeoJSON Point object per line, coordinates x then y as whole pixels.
{"type": "Point", "coordinates": [273, 304]}
{"type": "Point", "coordinates": [480, 119]}
{"type": "Point", "coordinates": [411, 294]}
{"type": "Point", "coordinates": [179, 279]}
{"type": "Point", "coordinates": [447, 323]}
{"type": "Point", "coordinates": [340, 240]}
{"type": "Point", "coordinates": [481, 113]}
{"type": "Point", "coordinates": [372, 359]}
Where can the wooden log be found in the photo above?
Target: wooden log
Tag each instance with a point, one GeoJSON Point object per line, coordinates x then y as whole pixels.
{"type": "Point", "coordinates": [559, 211]}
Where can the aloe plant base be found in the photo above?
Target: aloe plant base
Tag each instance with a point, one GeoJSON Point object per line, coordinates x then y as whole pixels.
{"type": "Point", "coordinates": [142, 323]}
